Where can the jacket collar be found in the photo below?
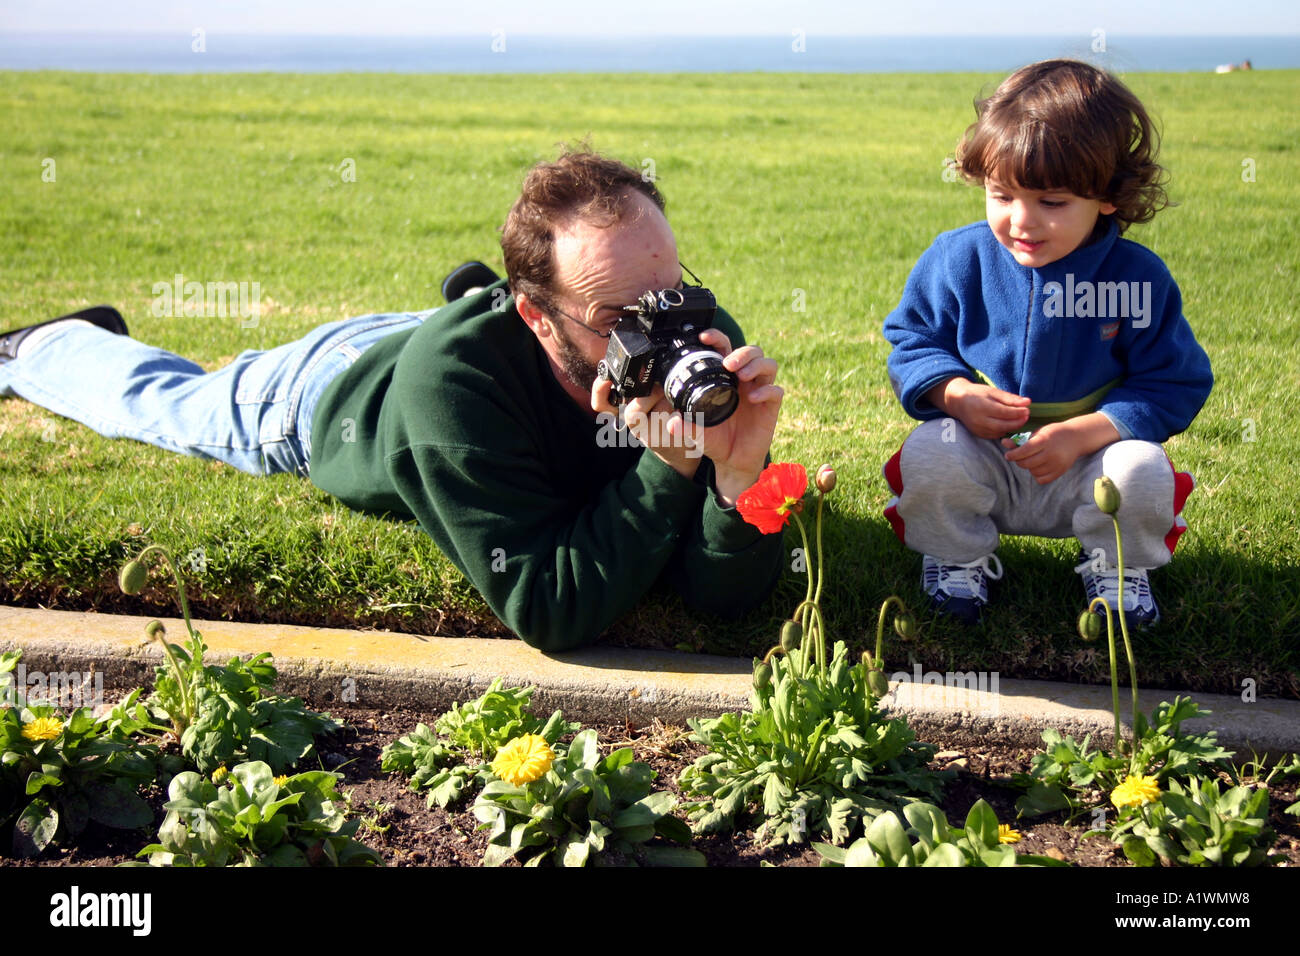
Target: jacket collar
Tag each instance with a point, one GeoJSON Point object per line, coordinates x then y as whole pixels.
{"type": "Point", "coordinates": [1085, 259]}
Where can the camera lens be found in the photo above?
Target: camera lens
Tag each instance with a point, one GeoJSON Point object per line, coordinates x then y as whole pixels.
{"type": "Point", "coordinates": [698, 384]}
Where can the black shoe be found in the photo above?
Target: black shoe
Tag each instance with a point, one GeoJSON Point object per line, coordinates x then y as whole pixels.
{"type": "Point", "coordinates": [467, 279]}
{"type": "Point", "coordinates": [104, 316]}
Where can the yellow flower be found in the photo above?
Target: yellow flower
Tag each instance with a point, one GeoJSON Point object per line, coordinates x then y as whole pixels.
{"type": "Point", "coordinates": [523, 760]}
{"type": "Point", "coordinates": [43, 728]}
{"type": "Point", "coordinates": [1135, 791]}
{"type": "Point", "coordinates": [281, 780]}
{"type": "Point", "coordinates": [1007, 835]}
{"type": "Point", "coordinates": [219, 774]}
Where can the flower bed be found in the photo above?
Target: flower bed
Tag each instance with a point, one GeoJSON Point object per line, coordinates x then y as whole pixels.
{"type": "Point", "coordinates": [814, 772]}
{"type": "Point", "coordinates": [397, 822]}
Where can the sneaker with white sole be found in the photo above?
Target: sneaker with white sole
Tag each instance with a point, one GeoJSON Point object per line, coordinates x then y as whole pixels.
{"type": "Point", "coordinates": [1139, 606]}
{"type": "Point", "coordinates": [959, 590]}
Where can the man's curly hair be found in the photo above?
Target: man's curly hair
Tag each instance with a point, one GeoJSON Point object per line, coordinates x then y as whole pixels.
{"type": "Point", "coordinates": [580, 184]}
{"type": "Point", "coordinates": [1064, 124]}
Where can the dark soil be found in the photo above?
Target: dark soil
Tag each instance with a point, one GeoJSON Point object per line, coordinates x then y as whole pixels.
{"type": "Point", "coordinates": [398, 823]}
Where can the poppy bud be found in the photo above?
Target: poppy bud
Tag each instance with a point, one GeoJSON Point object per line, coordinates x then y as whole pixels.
{"type": "Point", "coordinates": [762, 675]}
{"type": "Point", "coordinates": [791, 635]}
{"type": "Point", "coordinates": [825, 479]}
{"type": "Point", "coordinates": [877, 683]}
{"type": "Point", "coordinates": [905, 626]}
{"type": "Point", "coordinates": [154, 630]}
{"type": "Point", "coordinates": [1089, 626]}
{"type": "Point", "coordinates": [1106, 495]}
{"type": "Point", "coordinates": [867, 660]}
{"type": "Point", "coordinates": [132, 577]}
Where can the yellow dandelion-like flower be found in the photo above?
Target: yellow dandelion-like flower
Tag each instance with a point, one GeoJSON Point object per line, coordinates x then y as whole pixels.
{"type": "Point", "coordinates": [1135, 791]}
{"type": "Point", "coordinates": [43, 728]}
{"type": "Point", "coordinates": [281, 780]}
{"type": "Point", "coordinates": [219, 774]}
{"type": "Point", "coordinates": [523, 760]}
{"type": "Point", "coordinates": [1007, 835]}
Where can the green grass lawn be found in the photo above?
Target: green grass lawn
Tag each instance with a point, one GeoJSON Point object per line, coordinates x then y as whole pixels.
{"type": "Point", "coordinates": [829, 184]}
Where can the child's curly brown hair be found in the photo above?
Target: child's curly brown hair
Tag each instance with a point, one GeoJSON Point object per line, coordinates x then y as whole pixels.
{"type": "Point", "coordinates": [1064, 124]}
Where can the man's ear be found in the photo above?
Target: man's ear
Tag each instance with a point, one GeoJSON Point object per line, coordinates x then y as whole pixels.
{"type": "Point", "coordinates": [532, 315]}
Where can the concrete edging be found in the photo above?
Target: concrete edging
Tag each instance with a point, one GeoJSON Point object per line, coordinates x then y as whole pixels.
{"type": "Point", "coordinates": [384, 669]}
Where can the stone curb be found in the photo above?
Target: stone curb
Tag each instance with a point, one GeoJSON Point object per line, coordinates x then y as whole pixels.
{"type": "Point", "coordinates": [384, 669]}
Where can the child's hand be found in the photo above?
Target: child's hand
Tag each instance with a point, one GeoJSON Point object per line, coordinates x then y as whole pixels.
{"type": "Point", "coordinates": [985, 411]}
{"type": "Point", "coordinates": [1049, 453]}
{"type": "Point", "coordinates": [1052, 450]}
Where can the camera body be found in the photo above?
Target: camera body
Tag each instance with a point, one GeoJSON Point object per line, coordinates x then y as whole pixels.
{"type": "Point", "coordinates": [658, 342]}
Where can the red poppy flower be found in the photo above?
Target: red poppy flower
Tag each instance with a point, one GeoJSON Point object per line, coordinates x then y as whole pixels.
{"type": "Point", "coordinates": [767, 505]}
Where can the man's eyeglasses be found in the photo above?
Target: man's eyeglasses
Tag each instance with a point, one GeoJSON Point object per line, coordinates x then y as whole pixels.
{"type": "Point", "coordinates": [612, 323]}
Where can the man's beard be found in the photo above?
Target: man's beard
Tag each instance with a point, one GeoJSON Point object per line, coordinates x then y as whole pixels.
{"type": "Point", "coordinates": [577, 368]}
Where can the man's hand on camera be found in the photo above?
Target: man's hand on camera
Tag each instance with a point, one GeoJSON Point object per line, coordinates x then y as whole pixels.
{"type": "Point", "coordinates": [738, 447]}
{"type": "Point", "coordinates": [654, 423]}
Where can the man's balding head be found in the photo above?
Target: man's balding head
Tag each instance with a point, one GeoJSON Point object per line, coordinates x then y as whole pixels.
{"type": "Point", "coordinates": [578, 185]}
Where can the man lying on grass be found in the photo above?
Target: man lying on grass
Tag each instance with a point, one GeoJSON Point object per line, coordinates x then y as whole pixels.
{"type": "Point", "coordinates": [486, 420]}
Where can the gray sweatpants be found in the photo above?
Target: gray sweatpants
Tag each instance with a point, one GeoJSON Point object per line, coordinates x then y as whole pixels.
{"type": "Point", "coordinates": [956, 493]}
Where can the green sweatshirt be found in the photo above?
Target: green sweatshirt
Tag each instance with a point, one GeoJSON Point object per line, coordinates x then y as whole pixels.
{"type": "Point", "coordinates": [460, 424]}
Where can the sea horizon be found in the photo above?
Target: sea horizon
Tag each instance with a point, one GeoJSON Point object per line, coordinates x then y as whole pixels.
{"type": "Point", "coordinates": [500, 52]}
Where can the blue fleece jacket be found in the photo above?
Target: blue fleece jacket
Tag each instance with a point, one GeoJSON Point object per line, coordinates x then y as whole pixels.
{"type": "Point", "coordinates": [1107, 313]}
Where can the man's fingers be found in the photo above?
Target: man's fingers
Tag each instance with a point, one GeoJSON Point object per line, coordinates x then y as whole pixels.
{"type": "Point", "coordinates": [718, 340]}
{"type": "Point", "coordinates": [766, 393]}
{"type": "Point", "coordinates": [758, 372]}
{"type": "Point", "coordinates": [600, 395]}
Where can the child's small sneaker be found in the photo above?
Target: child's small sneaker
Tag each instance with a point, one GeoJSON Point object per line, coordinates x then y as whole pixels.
{"type": "Point", "coordinates": [1138, 603]}
{"type": "Point", "coordinates": [959, 590]}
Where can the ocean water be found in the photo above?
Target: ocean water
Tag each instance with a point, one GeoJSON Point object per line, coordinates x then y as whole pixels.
{"type": "Point", "coordinates": [507, 53]}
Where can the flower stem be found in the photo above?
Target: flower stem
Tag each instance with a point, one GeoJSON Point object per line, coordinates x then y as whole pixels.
{"type": "Point", "coordinates": [880, 623]}
{"type": "Point", "coordinates": [821, 565]}
{"type": "Point", "coordinates": [806, 608]}
{"type": "Point", "coordinates": [1114, 674]}
{"type": "Point", "coordinates": [1123, 623]}
{"type": "Point", "coordinates": [186, 690]}
{"type": "Point", "coordinates": [821, 637]}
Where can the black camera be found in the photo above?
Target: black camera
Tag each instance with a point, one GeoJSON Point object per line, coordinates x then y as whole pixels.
{"type": "Point", "coordinates": [658, 341]}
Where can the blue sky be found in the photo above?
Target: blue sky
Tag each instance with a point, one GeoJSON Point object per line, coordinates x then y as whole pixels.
{"type": "Point", "coordinates": [657, 17]}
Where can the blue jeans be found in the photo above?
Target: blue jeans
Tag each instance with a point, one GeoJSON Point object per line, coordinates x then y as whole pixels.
{"type": "Point", "coordinates": [254, 414]}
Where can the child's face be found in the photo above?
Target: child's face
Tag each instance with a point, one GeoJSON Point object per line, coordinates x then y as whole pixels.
{"type": "Point", "coordinates": [1038, 226]}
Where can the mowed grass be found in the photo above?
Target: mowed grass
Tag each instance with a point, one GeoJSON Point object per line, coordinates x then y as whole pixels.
{"type": "Point", "coordinates": [784, 191]}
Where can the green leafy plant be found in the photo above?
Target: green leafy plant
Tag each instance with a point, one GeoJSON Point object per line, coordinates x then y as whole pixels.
{"type": "Point", "coordinates": [920, 836]}
{"type": "Point", "coordinates": [456, 752]}
{"type": "Point", "coordinates": [254, 818]}
{"type": "Point", "coordinates": [1168, 806]}
{"type": "Point", "coordinates": [814, 755]}
{"type": "Point", "coordinates": [221, 714]}
{"type": "Point", "coordinates": [583, 809]}
{"type": "Point", "coordinates": [1070, 775]}
{"type": "Point", "coordinates": [58, 773]}
{"type": "Point", "coordinates": [1196, 825]}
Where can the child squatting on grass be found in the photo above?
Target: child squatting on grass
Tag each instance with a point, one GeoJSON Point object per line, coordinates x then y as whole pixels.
{"type": "Point", "coordinates": [1040, 350]}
